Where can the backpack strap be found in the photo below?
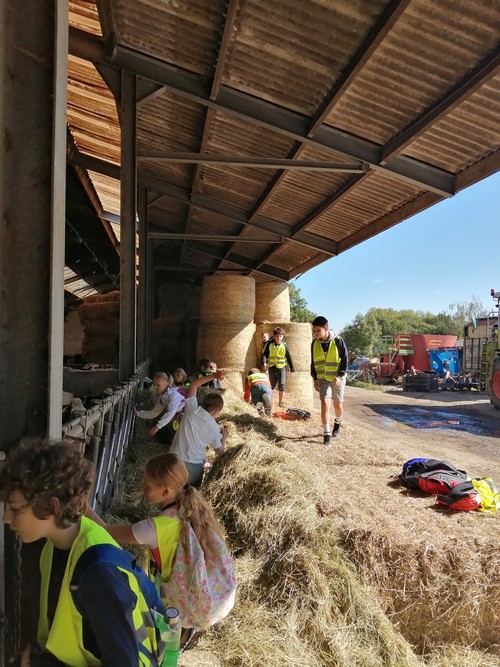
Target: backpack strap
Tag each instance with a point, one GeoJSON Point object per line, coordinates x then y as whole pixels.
{"type": "Point", "coordinates": [113, 555]}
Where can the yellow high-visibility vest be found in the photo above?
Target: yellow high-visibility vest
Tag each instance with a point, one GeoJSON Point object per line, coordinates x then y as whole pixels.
{"type": "Point", "coordinates": [326, 365]}
{"type": "Point", "coordinates": [64, 637]}
{"type": "Point", "coordinates": [258, 378]}
{"type": "Point", "coordinates": [277, 355]}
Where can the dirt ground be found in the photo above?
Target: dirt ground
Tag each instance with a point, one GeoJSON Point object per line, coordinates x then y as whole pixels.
{"type": "Point", "coordinates": [462, 427]}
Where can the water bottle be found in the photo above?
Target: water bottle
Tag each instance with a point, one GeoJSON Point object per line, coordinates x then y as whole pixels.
{"type": "Point", "coordinates": [171, 635]}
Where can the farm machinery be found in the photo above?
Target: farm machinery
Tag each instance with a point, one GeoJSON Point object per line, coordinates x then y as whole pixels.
{"type": "Point", "coordinates": [481, 351]}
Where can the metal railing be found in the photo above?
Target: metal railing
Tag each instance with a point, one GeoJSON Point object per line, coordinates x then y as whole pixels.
{"type": "Point", "coordinates": [105, 431]}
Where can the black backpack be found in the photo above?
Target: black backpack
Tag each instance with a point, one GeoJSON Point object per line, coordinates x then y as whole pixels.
{"type": "Point", "coordinates": [413, 468]}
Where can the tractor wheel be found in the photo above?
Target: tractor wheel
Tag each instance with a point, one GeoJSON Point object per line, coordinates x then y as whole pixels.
{"type": "Point", "coordinates": [495, 384]}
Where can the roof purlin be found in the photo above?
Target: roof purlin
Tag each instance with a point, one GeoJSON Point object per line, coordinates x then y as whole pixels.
{"type": "Point", "coordinates": [263, 113]}
{"type": "Point", "coordinates": [234, 214]}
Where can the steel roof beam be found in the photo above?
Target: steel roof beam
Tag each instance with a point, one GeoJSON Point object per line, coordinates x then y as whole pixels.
{"type": "Point", "coordinates": [486, 69]}
{"type": "Point", "coordinates": [208, 237]}
{"type": "Point", "coordinates": [265, 114]}
{"type": "Point", "coordinates": [204, 203]}
{"type": "Point", "coordinates": [370, 44]}
{"type": "Point", "coordinates": [234, 258]}
{"type": "Point", "coordinates": [254, 162]}
{"type": "Point", "coordinates": [375, 36]}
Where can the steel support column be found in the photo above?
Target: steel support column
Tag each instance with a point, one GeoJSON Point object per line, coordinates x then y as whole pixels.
{"type": "Point", "coordinates": [128, 294]}
{"type": "Point", "coordinates": [30, 206]}
{"type": "Point", "coordinates": [58, 216]}
{"type": "Point", "coordinates": [142, 297]}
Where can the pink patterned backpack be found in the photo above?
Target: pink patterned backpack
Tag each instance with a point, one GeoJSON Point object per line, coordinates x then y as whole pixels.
{"type": "Point", "coordinates": [202, 590]}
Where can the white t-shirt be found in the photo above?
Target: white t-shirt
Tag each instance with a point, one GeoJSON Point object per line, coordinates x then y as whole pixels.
{"type": "Point", "coordinates": [197, 430]}
{"type": "Point", "coordinates": [170, 403]}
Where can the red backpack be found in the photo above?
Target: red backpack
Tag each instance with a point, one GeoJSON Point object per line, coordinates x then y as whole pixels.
{"type": "Point", "coordinates": [440, 482]}
{"type": "Point", "coordinates": [463, 497]}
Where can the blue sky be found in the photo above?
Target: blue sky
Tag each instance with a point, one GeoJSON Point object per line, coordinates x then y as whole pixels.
{"type": "Point", "coordinates": [445, 254]}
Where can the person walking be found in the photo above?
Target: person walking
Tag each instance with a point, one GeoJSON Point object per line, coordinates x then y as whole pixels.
{"type": "Point", "coordinates": [328, 370]}
{"type": "Point", "coordinates": [275, 357]}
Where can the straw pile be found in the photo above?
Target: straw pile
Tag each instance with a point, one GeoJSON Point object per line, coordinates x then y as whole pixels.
{"type": "Point", "coordinates": [272, 302]}
{"type": "Point", "coordinates": [316, 560]}
{"type": "Point", "coordinates": [435, 573]}
{"type": "Point", "coordinates": [300, 601]}
{"type": "Point", "coordinates": [226, 298]}
{"type": "Point", "coordinates": [100, 318]}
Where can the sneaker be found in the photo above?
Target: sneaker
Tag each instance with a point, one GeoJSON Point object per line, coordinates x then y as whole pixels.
{"type": "Point", "coordinates": [266, 401]}
{"type": "Point", "coordinates": [336, 429]}
{"type": "Point", "coordinates": [327, 439]}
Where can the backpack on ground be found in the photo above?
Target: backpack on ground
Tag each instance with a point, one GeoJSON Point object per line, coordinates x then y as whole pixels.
{"type": "Point", "coordinates": [440, 482]}
{"type": "Point", "coordinates": [203, 590]}
{"type": "Point", "coordinates": [413, 468]}
{"type": "Point", "coordinates": [293, 414]}
{"type": "Point", "coordinates": [476, 494]}
{"type": "Point", "coordinates": [114, 555]}
{"type": "Point", "coordinates": [462, 497]}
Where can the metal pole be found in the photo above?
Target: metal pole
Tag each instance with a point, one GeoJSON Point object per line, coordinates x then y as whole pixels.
{"type": "Point", "coordinates": [143, 276]}
{"type": "Point", "coordinates": [56, 308]}
{"type": "Point", "coordinates": [128, 226]}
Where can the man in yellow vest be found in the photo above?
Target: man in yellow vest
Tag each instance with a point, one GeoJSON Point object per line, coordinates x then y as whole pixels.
{"type": "Point", "coordinates": [275, 357]}
{"type": "Point", "coordinates": [328, 370]}
{"type": "Point", "coordinates": [45, 489]}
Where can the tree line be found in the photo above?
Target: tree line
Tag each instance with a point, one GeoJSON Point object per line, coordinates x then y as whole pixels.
{"type": "Point", "coordinates": [365, 331]}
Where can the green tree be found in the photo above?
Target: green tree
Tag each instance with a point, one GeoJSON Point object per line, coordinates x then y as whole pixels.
{"type": "Point", "coordinates": [362, 334]}
{"type": "Point", "coordinates": [298, 306]}
{"type": "Point", "coordinates": [463, 312]}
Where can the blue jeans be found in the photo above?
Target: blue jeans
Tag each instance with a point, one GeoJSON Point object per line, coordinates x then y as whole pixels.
{"type": "Point", "coordinates": [195, 471]}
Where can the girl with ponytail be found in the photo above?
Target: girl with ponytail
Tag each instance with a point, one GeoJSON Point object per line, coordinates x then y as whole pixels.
{"type": "Point", "coordinates": [189, 560]}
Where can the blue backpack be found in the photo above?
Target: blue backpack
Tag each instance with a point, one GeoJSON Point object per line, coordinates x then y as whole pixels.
{"type": "Point", "coordinates": [113, 555]}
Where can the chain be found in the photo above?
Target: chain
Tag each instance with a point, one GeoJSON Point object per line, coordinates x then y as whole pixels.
{"type": "Point", "coordinates": [16, 638]}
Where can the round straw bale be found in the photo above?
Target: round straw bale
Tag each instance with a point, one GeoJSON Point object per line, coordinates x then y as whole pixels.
{"type": "Point", "coordinates": [167, 327]}
{"type": "Point", "coordinates": [101, 310]}
{"type": "Point", "coordinates": [100, 349]}
{"type": "Point", "coordinates": [299, 390]}
{"type": "Point", "coordinates": [235, 379]}
{"type": "Point", "coordinates": [230, 345]}
{"type": "Point", "coordinates": [272, 302]}
{"type": "Point", "coordinates": [298, 337]}
{"type": "Point", "coordinates": [99, 298]}
{"type": "Point", "coordinates": [226, 298]}
{"type": "Point", "coordinates": [105, 327]}
{"type": "Point", "coordinates": [178, 300]}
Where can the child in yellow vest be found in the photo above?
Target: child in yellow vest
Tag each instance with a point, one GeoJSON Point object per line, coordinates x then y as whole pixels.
{"type": "Point", "coordinates": [45, 489]}
{"type": "Point", "coordinates": [189, 559]}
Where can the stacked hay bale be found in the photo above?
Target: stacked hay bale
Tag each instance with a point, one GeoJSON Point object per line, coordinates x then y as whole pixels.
{"type": "Point", "coordinates": [100, 318]}
{"type": "Point", "coordinates": [167, 342]}
{"type": "Point", "coordinates": [226, 330]}
{"type": "Point", "coordinates": [173, 330]}
{"type": "Point", "coordinates": [272, 302]}
{"type": "Point", "coordinates": [272, 309]}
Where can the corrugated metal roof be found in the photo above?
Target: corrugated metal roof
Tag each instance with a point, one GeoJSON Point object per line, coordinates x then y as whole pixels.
{"type": "Point", "coordinates": [272, 136]}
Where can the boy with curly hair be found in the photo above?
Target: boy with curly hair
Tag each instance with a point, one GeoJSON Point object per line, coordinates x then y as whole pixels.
{"type": "Point", "coordinates": [45, 489]}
